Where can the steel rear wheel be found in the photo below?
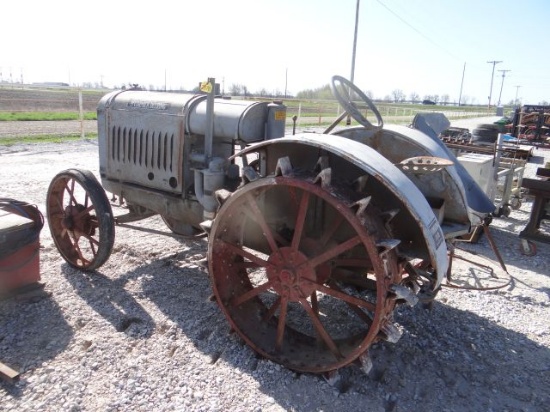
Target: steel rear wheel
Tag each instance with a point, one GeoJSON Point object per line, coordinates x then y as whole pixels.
{"type": "Point", "coordinates": [303, 274]}
{"type": "Point", "coordinates": [80, 219]}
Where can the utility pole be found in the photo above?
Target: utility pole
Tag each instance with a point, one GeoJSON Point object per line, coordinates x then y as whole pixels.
{"type": "Point", "coordinates": [354, 42]}
{"type": "Point", "coordinates": [502, 84]}
{"type": "Point", "coordinates": [348, 120]}
{"type": "Point", "coordinates": [286, 80]}
{"type": "Point", "coordinates": [516, 99]}
{"type": "Point", "coordinates": [462, 84]}
{"type": "Point", "coordinates": [494, 63]}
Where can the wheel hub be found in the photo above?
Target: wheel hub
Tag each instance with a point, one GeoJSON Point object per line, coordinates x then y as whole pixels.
{"type": "Point", "coordinates": [292, 276]}
{"type": "Point", "coordinates": [73, 222]}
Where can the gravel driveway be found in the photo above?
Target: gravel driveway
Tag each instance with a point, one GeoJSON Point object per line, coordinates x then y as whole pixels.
{"type": "Point", "coordinates": [142, 333]}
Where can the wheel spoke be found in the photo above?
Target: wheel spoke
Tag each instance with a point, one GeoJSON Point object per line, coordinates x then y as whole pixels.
{"type": "Point", "coordinates": [59, 201]}
{"type": "Point", "coordinates": [247, 255]}
{"type": "Point", "coordinates": [335, 251]}
{"type": "Point", "coordinates": [272, 310]}
{"type": "Point", "coordinates": [251, 293]}
{"type": "Point", "coordinates": [259, 217]}
{"type": "Point", "coordinates": [281, 324]}
{"type": "Point", "coordinates": [82, 213]}
{"type": "Point", "coordinates": [300, 220]}
{"type": "Point", "coordinates": [70, 190]}
{"type": "Point", "coordinates": [331, 230]}
{"type": "Point", "coordinates": [346, 298]}
{"type": "Point", "coordinates": [293, 196]}
{"type": "Point", "coordinates": [278, 238]}
{"type": "Point", "coordinates": [93, 241]}
{"type": "Point", "coordinates": [362, 315]}
{"type": "Point", "coordinates": [78, 251]}
{"type": "Point", "coordinates": [321, 329]}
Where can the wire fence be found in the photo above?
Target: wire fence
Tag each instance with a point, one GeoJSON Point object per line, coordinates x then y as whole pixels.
{"type": "Point", "coordinates": [301, 114]}
{"type": "Point", "coordinates": [325, 113]}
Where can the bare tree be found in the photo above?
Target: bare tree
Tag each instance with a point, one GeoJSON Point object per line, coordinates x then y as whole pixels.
{"type": "Point", "coordinates": [414, 97]}
{"type": "Point", "coordinates": [236, 89]}
{"type": "Point", "coordinates": [398, 95]}
{"type": "Point", "coordinates": [445, 99]}
{"type": "Point", "coordinates": [262, 93]}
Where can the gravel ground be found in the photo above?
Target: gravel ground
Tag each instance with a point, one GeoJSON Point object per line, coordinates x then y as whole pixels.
{"type": "Point", "coordinates": [142, 333]}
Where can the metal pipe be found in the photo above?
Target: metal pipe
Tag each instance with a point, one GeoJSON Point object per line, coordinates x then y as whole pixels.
{"type": "Point", "coordinates": [209, 135]}
{"type": "Point", "coordinates": [352, 77]}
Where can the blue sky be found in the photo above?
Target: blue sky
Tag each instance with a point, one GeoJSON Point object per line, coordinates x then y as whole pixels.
{"type": "Point", "coordinates": [416, 46]}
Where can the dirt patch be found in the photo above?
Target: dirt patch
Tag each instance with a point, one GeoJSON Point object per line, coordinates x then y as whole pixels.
{"type": "Point", "coordinates": [59, 100]}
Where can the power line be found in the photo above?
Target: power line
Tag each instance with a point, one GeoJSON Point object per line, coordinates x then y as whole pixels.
{"type": "Point", "coordinates": [494, 63]}
{"type": "Point", "coordinates": [502, 84]}
{"type": "Point", "coordinates": [417, 31]}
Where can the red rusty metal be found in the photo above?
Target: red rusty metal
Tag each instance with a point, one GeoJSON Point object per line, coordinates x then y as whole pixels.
{"type": "Point", "coordinates": [80, 219]}
{"type": "Point", "coordinates": [280, 278]}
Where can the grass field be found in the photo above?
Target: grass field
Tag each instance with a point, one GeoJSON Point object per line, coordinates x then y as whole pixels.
{"type": "Point", "coordinates": [18, 104]}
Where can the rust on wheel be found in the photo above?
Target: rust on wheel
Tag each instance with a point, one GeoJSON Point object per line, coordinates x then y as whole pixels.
{"type": "Point", "coordinates": [80, 219]}
{"type": "Point", "coordinates": [303, 272]}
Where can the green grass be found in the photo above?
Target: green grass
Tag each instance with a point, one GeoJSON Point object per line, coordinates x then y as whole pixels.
{"type": "Point", "coordinates": [38, 116]}
{"type": "Point", "coordinates": [46, 138]}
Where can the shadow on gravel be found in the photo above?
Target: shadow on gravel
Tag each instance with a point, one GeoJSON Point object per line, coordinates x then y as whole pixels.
{"type": "Point", "coordinates": [458, 360]}
{"type": "Point", "coordinates": [448, 359]}
{"type": "Point", "coordinates": [26, 341]}
{"type": "Point", "coordinates": [509, 246]}
{"type": "Point", "coordinates": [184, 295]}
{"type": "Point", "coordinates": [109, 298]}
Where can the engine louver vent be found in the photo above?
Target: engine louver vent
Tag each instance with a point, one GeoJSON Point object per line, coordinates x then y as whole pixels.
{"type": "Point", "coordinates": [149, 149]}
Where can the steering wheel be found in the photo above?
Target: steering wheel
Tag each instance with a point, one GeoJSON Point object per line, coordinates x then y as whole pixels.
{"type": "Point", "coordinates": [341, 88]}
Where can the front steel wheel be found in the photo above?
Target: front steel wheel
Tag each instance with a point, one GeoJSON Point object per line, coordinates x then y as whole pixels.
{"type": "Point", "coordinates": [80, 219]}
{"type": "Point", "coordinates": [303, 272]}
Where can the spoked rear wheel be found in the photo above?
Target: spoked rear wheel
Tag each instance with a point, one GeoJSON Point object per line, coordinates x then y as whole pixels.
{"type": "Point", "coordinates": [80, 219]}
{"type": "Point", "coordinates": [303, 275]}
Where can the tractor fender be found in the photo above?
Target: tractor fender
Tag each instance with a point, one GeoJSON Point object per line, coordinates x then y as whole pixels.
{"type": "Point", "coordinates": [344, 153]}
{"type": "Point", "coordinates": [466, 201]}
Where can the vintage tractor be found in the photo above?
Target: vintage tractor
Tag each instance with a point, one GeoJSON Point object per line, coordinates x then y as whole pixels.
{"type": "Point", "coordinates": [313, 238]}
